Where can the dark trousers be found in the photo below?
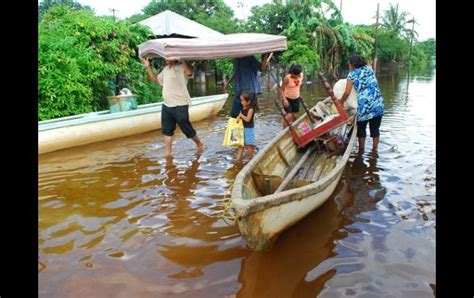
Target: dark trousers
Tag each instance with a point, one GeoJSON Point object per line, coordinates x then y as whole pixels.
{"type": "Point", "coordinates": [176, 115]}
{"type": "Point", "coordinates": [374, 125]}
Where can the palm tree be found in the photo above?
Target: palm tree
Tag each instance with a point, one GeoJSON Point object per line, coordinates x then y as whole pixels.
{"type": "Point", "coordinates": [411, 33]}
{"type": "Point", "coordinates": [395, 20]}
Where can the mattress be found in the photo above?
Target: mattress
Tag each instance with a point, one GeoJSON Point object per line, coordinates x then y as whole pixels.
{"type": "Point", "coordinates": [227, 46]}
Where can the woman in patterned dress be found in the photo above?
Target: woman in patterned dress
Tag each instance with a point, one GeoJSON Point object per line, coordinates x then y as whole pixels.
{"type": "Point", "coordinates": [370, 107]}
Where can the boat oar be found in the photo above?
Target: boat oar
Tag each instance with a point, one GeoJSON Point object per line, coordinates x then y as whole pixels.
{"type": "Point", "coordinates": [293, 171]}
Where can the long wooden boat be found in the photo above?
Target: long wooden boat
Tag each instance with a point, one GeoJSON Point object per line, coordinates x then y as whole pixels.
{"type": "Point", "coordinates": [282, 183]}
{"type": "Point", "coordinates": [61, 133]}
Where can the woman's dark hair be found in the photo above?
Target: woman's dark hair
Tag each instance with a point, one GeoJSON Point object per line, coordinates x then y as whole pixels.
{"type": "Point", "coordinates": [250, 96]}
{"type": "Point", "coordinates": [295, 69]}
{"type": "Point", "coordinates": [356, 61]}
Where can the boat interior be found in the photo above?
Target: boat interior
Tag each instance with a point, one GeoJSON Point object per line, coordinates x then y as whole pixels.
{"type": "Point", "coordinates": [285, 166]}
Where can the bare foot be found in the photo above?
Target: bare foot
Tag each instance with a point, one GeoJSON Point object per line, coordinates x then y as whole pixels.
{"type": "Point", "coordinates": [201, 147]}
{"type": "Point", "coordinates": [374, 152]}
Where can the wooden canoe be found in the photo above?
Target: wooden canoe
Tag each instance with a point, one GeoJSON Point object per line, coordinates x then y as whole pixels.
{"type": "Point", "coordinates": [66, 132]}
{"type": "Point", "coordinates": [263, 211]}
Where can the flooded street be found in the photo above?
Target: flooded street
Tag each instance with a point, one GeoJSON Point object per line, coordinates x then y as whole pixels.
{"type": "Point", "coordinates": [117, 219]}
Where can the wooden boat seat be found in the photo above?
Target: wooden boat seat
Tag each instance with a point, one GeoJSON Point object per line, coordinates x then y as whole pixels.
{"type": "Point", "coordinates": [266, 184]}
{"type": "Point", "coordinates": [329, 143]}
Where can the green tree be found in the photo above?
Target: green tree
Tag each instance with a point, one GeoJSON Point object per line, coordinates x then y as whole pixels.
{"type": "Point", "coordinates": [271, 18]}
{"type": "Point", "coordinates": [356, 39]}
{"type": "Point", "coordinates": [429, 47]}
{"type": "Point", "coordinates": [316, 27]}
{"type": "Point", "coordinates": [301, 51]}
{"type": "Point", "coordinates": [395, 21]}
{"type": "Point", "coordinates": [418, 57]}
{"type": "Point", "coordinates": [80, 54]}
{"type": "Point", "coordinates": [47, 4]}
{"type": "Point", "coordinates": [393, 47]}
{"type": "Point", "coordinates": [310, 27]}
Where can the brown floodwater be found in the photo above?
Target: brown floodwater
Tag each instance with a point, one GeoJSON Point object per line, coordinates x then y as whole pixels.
{"type": "Point", "coordinates": [117, 219]}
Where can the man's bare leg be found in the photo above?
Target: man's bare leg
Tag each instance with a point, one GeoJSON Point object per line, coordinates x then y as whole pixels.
{"type": "Point", "coordinates": [168, 144]}
{"type": "Point", "coordinates": [199, 144]}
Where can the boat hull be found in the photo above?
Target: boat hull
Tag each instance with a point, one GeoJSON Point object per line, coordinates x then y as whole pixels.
{"type": "Point", "coordinates": [262, 228]}
{"type": "Point", "coordinates": [262, 215]}
{"type": "Point", "coordinates": [57, 134]}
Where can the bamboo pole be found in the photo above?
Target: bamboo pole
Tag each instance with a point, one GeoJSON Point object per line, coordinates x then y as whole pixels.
{"type": "Point", "coordinates": [376, 39]}
{"type": "Point", "coordinates": [411, 42]}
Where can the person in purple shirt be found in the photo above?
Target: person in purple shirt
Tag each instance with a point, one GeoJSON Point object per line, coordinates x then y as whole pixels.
{"type": "Point", "coordinates": [246, 78]}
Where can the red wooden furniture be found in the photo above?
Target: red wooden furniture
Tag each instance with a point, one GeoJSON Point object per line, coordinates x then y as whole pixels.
{"type": "Point", "coordinates": [323, 127]}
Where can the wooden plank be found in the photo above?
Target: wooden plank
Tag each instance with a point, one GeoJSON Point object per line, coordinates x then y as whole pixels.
{"type": "Point", "coordinates": [313, 176]}
{"type": "Point", "coordinates": [283, 156]}
{"type": "Point", "coordinates": [328, 166]}
{"type": "Point", "coordinates": [313, 166]}
{"type": "Point", "coordinates": [295, 169]}
{"type": "Point", "coordinates": [296, 181]}
{"type": "Point", "coordinates": [311, 163]}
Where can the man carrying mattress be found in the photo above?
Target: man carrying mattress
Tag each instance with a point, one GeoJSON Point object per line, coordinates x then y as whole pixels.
{"type": "Point", "coordinates": [246, 78]}
{"type": "Point", "coordinates": [176, 101]}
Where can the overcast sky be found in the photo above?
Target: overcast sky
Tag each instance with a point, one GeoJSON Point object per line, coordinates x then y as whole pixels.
{"type": "Point", "coordinates": [353, 11]}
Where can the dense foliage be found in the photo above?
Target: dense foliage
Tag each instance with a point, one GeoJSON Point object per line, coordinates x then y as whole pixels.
{"type": "Point", "coordinates": [317, 37]}
{"type": "Point", "coordinates": [45, 5]}
{"type": "Point", "coordinates": [80, 56]}
{"type": "Point", "coordinates": [429, 47]}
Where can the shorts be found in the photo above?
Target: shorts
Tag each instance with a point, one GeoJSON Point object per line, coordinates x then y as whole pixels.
{"type": "Point", "coordinates": [249, 136]}
{"type": "Point", "coordinates": [294, 105]}
{"type": "Point", "coordinates": [374, 125]}
{"type": "Point", "coordinates": [176, 115]}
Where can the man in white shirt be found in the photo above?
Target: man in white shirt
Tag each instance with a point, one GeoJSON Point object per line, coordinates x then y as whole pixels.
{"type": "Point", "coordinates": [176, 101]}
